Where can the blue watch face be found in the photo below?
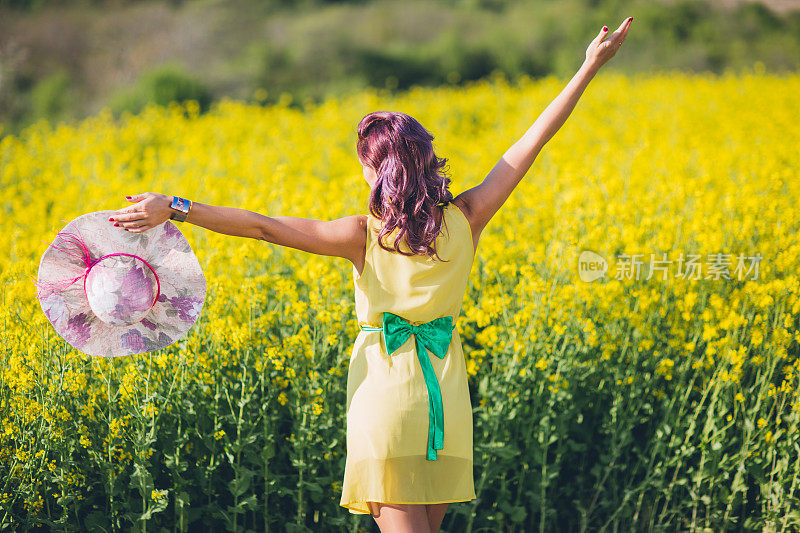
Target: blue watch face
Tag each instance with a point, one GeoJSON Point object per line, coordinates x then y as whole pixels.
{"type": "Point", "coordinates": [180, 204]}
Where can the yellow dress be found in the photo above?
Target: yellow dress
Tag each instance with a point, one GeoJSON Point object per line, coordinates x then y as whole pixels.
{"type": "Point", "coordinates": [387, 399]}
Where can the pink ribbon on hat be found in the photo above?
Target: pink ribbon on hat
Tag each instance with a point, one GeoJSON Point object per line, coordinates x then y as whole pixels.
{"type": "Point", "coordinates": [84, 255]}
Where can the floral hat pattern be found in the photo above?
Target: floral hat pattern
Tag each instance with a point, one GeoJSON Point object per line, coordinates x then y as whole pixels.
{"type": "Point", "coordinates": [109, 292]}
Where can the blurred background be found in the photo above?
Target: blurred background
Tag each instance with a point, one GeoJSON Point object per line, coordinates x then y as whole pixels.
{"type": "Point", "coordinates": [66, 59]}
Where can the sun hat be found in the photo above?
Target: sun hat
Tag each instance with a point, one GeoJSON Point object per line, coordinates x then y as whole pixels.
{"type": "Point", "coordinates": [109, 292]}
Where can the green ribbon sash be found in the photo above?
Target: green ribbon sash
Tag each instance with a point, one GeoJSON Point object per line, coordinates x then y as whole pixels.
{"type": "Point", "coordinates": [434, 336]}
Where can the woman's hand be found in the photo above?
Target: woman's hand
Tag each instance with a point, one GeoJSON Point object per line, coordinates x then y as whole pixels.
{"type": "Point", "coordinates": [149, 210]}
{"type": "Point", "coordinates": [601, 49]}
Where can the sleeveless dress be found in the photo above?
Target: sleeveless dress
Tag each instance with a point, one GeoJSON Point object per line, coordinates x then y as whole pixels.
{"type": "Point", "coordinates": [387, 398]}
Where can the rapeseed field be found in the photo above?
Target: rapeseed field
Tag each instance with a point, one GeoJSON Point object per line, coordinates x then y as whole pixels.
{"type": "Point", "coordinates": [649, 398]}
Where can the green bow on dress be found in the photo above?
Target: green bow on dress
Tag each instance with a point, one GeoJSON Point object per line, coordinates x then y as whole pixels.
{"type": "Point", "coordinates": [434, 336]}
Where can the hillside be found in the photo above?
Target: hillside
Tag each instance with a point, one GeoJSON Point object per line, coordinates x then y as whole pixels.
{"type": "Point", "coordinates": [68, 59]}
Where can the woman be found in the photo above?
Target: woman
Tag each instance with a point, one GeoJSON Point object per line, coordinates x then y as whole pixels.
{"type": "Point", "coordinates": [409, 425]}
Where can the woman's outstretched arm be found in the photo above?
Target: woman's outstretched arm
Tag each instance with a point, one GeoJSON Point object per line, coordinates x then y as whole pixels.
{"type": "Point", "coordinates": [484, 200]}
{"type": "Point", "coordinates": [343, 237]}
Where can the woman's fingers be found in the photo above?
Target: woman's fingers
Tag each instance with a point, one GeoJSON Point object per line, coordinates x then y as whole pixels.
{"type": "Point", "coordinates": [136, 197]}
{"type": "Point", "coordinates": [138, 206]}
{"type": "Point", "coordinates": [128, 217]}
{"type": "Point", "coordinates": [134, 218]}
{"type": "Point", "coordinates": [624, 25]}
{"type": "Point", "coordinates": [619, 35]}
{"type": "Point", "coordinates": [600, 36]}
{"type": "Point", "coordinates": [605, 45]}
{"type": "Point", "coordinates": [133, 225]}
{"type": "Point", "coordinates": [140, 229]}
{"type": "Point", "coordinates": [136, 228]}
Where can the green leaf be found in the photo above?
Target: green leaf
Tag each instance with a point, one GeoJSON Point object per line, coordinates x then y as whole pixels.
{"type": "Point", "coordinates": [239, 486]}
{"type": "Point", "coordinates": [312, 487]}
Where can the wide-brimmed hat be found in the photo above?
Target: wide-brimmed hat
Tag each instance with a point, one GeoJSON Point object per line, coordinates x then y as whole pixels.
{"type": "Point", "coordinates": [109, 292]}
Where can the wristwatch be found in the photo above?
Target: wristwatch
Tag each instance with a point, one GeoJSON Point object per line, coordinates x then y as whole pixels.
{"type": "Point", "coordinates": [182, 206]}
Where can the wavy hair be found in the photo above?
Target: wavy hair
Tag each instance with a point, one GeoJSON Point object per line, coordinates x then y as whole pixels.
{"type": "Point", "coordinates": [411, 183]}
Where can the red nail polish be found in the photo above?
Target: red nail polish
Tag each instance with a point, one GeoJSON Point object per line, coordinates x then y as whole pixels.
{"type": "Point", "coordinates": [605, 28]}
{"type": "Point", "coordinates": [115, 224]}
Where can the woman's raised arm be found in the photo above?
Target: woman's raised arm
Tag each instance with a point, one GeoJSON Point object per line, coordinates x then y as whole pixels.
{"type": "Point", "coordinates": [342, 237]}
{"type": "Point", "coordinates": [484, 200]}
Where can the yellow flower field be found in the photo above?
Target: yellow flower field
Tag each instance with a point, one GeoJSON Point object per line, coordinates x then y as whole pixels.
{"type": "Point", "coordinates": [626, 402]}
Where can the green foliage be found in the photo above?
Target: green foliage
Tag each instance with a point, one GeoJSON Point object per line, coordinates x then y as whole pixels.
{"type": "Point", "coordinates": [516, 39]}
{"type": "Point", "coordinates": [162, 85]}
{"type": "Point", "coordinates": [614, 445]}
{"type": "Point", "coordinates": [16, 82]}
{"type": "Point", "coordinates": [312, 49]}
{"type": "Point", "coordinates": [53, 98]}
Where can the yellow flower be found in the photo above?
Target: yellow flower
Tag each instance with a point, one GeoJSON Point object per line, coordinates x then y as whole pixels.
{"type": "Point", "coordinates": [472, 367]}
{"type": "Point", "coordinates": [664, 368]}
{"type": "Point", "coordinates": [281, 312]}
{"type": "Point", "coordinates": [332, 339]}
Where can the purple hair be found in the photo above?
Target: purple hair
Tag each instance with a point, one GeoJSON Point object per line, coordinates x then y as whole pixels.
{"type": "Point", "coordinates": [411, 183]}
